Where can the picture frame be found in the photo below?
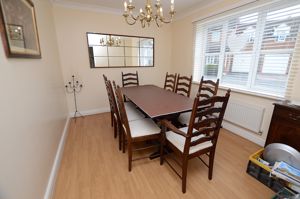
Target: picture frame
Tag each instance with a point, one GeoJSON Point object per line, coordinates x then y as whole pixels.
{"type": "Point", "coordinates": [18, 29]}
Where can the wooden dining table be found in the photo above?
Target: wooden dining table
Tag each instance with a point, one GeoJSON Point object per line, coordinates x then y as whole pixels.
{"type": "Point", "coordinates": [157, 102]}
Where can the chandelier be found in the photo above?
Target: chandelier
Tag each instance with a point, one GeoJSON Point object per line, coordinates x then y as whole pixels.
{"type": "Point", "coordinates": [111, 41]}
{"type": "Point", "coordinates": [147, 16]}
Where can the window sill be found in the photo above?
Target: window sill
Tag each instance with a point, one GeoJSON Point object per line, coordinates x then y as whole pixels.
{"type": "Point", "coordinates": [251, 93]}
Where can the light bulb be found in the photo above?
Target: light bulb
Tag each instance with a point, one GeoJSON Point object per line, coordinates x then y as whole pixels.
{"type": "Point", "coordinates": [125, 6]}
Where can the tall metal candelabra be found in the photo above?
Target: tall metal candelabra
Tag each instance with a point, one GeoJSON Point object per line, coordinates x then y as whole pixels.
{"type": "Point", "coordinates": [74, 87]}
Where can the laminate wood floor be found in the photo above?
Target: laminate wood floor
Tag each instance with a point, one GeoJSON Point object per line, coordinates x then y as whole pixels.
{"type": "Point", "coordinates": [92, 167]}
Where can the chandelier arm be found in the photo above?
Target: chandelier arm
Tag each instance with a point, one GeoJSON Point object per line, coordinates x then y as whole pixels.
{"type": "Point", "coordinates": [156, 21]}
{"type": "Point", "coordinates": [130, 23]}
{"type": "Point", "coordinates": [166, 21]}
{"type": "Point", "coordinates": [133, 17]}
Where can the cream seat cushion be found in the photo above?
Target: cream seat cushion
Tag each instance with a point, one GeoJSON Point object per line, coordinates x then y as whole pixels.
{"type": "Point", "coordinates": [132, 112]}
{"type": "Point", "coordinates": [184, 118]}
{"type": "Point", "coordinates": [143, 127]}
{"type": "Point", "coordinates": [178, 141]}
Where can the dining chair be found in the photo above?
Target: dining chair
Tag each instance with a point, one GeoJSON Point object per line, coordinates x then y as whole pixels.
{"type": "Point", "coordinates": [137, 130]}
{"type": "Point", "coordinates": [183, 85]}
{"type": "Point", "coordinates": [170, 82]}
{"type": "Point", "coordinates": [110, 105]}
{"type": "Point", "coordinates": [207, 89]}
{"type": "Point", "coordinates": [199, 138]}
{"type": "Point", "coordinates": [113, 106]}
{"type": "Point", "coordinates": [130, 79]}
{"type": "Point", "coordinates": [132, 114]}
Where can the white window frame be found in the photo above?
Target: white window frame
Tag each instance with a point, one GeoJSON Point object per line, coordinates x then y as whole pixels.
{"type": "Point", "coordinates": [260, 25]}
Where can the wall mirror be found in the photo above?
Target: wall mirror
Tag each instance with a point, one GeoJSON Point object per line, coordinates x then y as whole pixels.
{"type": "Point", "coordinates": [110, 50]}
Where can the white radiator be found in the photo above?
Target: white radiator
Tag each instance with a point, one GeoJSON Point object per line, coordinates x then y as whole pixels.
{"type": "Point", "coordinates": [248, 116]}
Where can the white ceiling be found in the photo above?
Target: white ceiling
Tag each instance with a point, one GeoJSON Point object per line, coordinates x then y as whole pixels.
{"type": "Point", "coordinates": [182, 7]}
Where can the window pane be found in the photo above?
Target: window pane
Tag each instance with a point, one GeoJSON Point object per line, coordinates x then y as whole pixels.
{"type": "Point", "coordinates": [236, 69]}
{"type": "Point", "coordinates": [214, 39]}
{"type": "Point", "coordinates": [278, 43]}
{"type": "Point", "coordinates": [272, 73]}
{"type": "Point", "coordinates": [239, 51]}
{"type": "Point", "coordinates": [241, 33]}
{"type": "Point", "coordinates": [211, 66]}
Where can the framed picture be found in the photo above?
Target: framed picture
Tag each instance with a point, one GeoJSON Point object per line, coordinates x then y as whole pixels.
{"type": "Point", "coordinates": [19, 29]}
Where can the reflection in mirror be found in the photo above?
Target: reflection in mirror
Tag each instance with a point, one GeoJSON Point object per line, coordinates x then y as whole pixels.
{"type": "Point", "coordinates": [107, 50]}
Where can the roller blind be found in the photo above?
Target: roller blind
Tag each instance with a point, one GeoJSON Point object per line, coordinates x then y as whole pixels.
{"type": "Point", "coordinates": [257, 50]}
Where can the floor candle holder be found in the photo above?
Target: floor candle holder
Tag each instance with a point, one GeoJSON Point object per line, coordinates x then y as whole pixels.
{"type": "Point", "coordinates": [74, 87]}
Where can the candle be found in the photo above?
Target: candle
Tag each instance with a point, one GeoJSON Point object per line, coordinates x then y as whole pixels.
{"type": "Point", "coordinates": [161, 12]}
{"type": "Point", "coordinates": [125, 6]}
{"type": "Point", "coordinates": [172, 5]}
{"type": "Point", "coordinates": [141, 10]}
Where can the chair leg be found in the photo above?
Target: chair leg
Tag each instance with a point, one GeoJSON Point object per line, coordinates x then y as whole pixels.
{"type": "Point", "coordinates": [115, 128]}
{"type": "Point", "coordinates": [123, 141]}
{"type": "Point", "coordinates": [129, 156]}
{"type": "Point", "coordinates": [162, 144]}
{"type": "Point", "coordinates": [184, 174]}
{"type": "Point", "coordinates": [211, 163]}
{"type": "Point", "coordinates": [120, 138]}
{"type": "Point", "coordinates": [161, 154]}
{"type": "Point", "coordinates": [112, 118]}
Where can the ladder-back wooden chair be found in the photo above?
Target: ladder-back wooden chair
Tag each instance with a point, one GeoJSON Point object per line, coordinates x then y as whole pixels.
{"type": "Point", "coordinates": [170, 82]}
{"type": "Point", "coordinates": [110, 105]}
{"type": "Point", "coordinates": [137, 130]}
{"type": "Point", "coordinates": [130, 79]}
{"type": "Point", "coordinates": [200, 137]}
{"type": "Point", "coordinates": [183, 85]}
{"type": "Point", "coordinates": [207, 89]}
{"type": "Point", "coordinates": [132, 114]}
{"type": "Point", "coordinates": [113, 106]}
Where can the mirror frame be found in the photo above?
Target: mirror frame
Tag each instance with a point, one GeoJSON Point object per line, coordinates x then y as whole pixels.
{"type": "Point", "coordinates": [89, 56]}
{"type": "Point", "coordinates": [4, 31]}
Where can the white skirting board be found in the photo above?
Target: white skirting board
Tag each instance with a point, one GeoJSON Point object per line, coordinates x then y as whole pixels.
{"type": "Point", "coordinates": [56, 163]}
{"type": "Point", "coordinates": [244, 133]}
{"type": "Point", "coordinates": [92, 111]}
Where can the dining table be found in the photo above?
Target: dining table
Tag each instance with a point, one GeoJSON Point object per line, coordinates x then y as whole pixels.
{"type": "Point", "coordinates": [157, 102]}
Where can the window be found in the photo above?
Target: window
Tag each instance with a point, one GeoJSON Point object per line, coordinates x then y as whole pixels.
{"type": "Point", "coordinates": [253, 51]}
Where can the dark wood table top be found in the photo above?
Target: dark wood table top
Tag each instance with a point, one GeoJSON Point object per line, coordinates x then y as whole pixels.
{"type": "Point", "coordinates": [156, 101]}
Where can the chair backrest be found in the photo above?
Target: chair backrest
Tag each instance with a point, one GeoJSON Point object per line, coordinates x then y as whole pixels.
{"type": "Point", "coordinates": [170, 82]}
{"type": "Point", "coordinates": [207, 88]}
{"type": "Point", "coordinates": [109, 99]}
{"type": "Point", "coordinates": [206, 121]}
{"type": "Point", "coordinates": [105, 78]}
{"type": "Point", "coordinates": [183, 85]}
{"type": "Point", "coordinates": [130, 79]}
{"type": "Point", "coordinates": [112, 99]}
{"type": "Point", "coordinates": [122, 112]}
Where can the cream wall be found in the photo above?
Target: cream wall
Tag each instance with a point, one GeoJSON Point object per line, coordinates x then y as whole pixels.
{"type": "Point", "coordinates": [72, 25]}
{"type": "Point", "coordinates": [33, 114]}
{"type": "Point", "coordinates": [182, 62]}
